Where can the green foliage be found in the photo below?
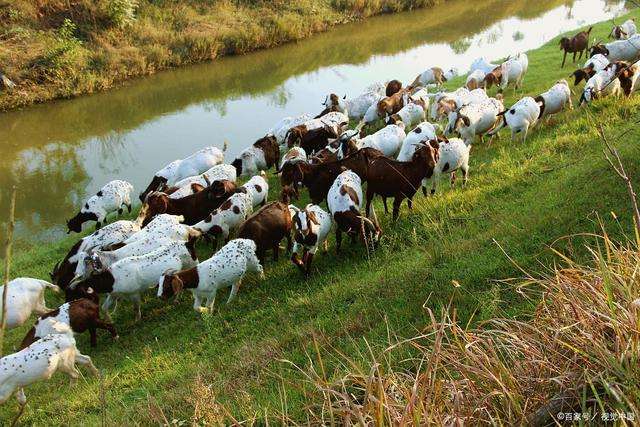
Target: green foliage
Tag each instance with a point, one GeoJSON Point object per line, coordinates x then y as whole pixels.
{"type": "Point", "coordinates": [122, 13]}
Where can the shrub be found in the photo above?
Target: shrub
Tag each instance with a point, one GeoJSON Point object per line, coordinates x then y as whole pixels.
{"type": "Point", "coordinates": [121, 13]}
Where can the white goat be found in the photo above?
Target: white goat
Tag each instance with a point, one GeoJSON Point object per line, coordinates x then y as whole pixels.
{"type": "Point", "coordinates": [228, 217]}
{"type": "Point", "coordinates": [555, 99]}
{"type": "Point", "coordinates": [130, 277]}
{"type": "Point", "coordinates": [514, 70]}
{"type": "Point", "coordinates": [410, 114]}
{"type": "Point", "coordinates": [109, 235]}
{"type": "Point", "coordinates": [446, 104]}
{"type": "Point", "coordinates": [522, 116]}
{"type": "Point", "coordinates": [216, 173]}
{"type": "Point", "coordinates": [620, 50]}
{"type": "Point", "coordinates": [197, 163]}
{"type": "Point", "coordinates": [311, 227]}
{"type": "Point", "coordinates": [358, 106]}
{"type": "Point", "coordinates": [258, 188]}
{"type": "Point", "coordinates": [454, 155]}
{"type": "Point", "coordinates": [425, 131]}
{"type": "Point", "coordinates": [388, 140]}
{"type": "Point", "coordinates": [111, 198]}
{"type": "Point", "coordinates": [474, 119]}
{"type": "Point", "coordinates": [225, 268]}
{"type": "Point", "coordinates": [603, 83]}
{"type": "Point", "coordinates": [40, 361]}
{"type": "Point", "coordinates": [25, 296]}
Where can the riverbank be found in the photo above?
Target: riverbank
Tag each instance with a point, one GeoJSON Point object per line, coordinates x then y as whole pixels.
{"type": "Point", "coordinates": [175, 365]}
{"type": "Point", "coordinates": [57, 49]}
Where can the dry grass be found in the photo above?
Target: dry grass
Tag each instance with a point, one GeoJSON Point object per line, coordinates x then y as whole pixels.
{"type": "Point", "coordinates": [582, 344]}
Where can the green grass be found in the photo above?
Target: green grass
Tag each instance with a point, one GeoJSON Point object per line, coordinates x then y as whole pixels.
{"type": "Point", "coordinates": [524, 197]}
{"type": "Point", "coordinates": [59, 49]}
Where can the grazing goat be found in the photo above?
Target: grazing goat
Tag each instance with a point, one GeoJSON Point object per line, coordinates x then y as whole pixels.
{"type": "Point", "coordinates": [295, 154]}
{"type": "Point", "coordinates": [475, 79]}
{"type": "Point", "coordinates": [519, 118]}
{"type": "Point", "coordinates": [258, 188]}
{"type": "Point", "coordinates": [39, 362]}
{"type": "Point", "coordinates": [387, 140]}
{"type": "Point", "coordinates": [225, 268]}
{"type": "Point", "coordinates": [280, 129]}
{"type": "Point", "coordinates": [433, 75]}
{"type": "Point", "coordinates": [333, 103]}
{"type": "Point", "coordinates": [319, 177]}
{"type": "Point", "coordinates": [603, 83]}
{"type": "Point", "coordinates": [345, 202]}
{"type": "Point", "coordinates": [425, 131]}
{"type": "Point", "coordinates": [25, 296]}
{"type": "Point", "coordinates": [358, 106]}
{"type": "Point", "coordinates": [79, 316]}
{"type": "Point", "coordinates": [391, 104]}
{"type": "Point", "coordinates": [130, 277]}
{"type": "Point", "coordinates": [109, 235]}
{"type": "Point", "coordinates": [447, 104]}
{"type": "Point", "coordinates": [106, 258]}
{"type": "Point", "coordinates": [194, 207]}
{"type": "Point", "coordinates": [474, 119]}
{"type": "Point", "coordinates": [555, 99]}
{"type": "Point", "coordinates": [577, 44]}
{"type": "Point", "coordinates": [453, 154]}
{"type": "Point", "coordinates": [193, 184]}
{"type": "Point", "coordinates": [400, 180]}
{"type": "Point", "coordinates": [594, 64]}
{"type": "Point", "coordinates": [228, 217]}
{"type": "Point", "coordinates": [111, 198]}
{"type": "Point", "coordinates": [624, 30]}
{"type": "Point", "coordinates": [513, 71]}
{"type": "Point", "coordinates": [195, 164]}
{"type": "Point", "coordinates": [262, 155]}
{"type": "Point", "coordinates": [619, 50]}
{"type": "Point", "coordinates": [267, 227]}
{"type": "Point", "coordinates": [311, 227]}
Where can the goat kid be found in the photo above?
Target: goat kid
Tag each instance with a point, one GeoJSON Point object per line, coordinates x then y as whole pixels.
{"type": "Point", "coordinates": [262, 155]}
{"type": "Point", "coordinates": [311, 227]}
{"type": "Point", "coordinates": [228, 217]}
{"type": "Point", "coordinates": [522, 116]}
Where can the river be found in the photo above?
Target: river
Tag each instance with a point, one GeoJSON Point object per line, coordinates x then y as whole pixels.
{"type": "Point", "coordinates": [58, 153]}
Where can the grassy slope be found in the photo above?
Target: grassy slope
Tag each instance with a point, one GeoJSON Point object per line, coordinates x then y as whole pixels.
{"type": "Point", "coordinates": [176, 365]}
{"type": "Point", "coordinates": [100, 46]}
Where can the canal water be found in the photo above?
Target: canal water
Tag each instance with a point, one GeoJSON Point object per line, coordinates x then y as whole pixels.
{"type": "Point", "coordinates": [58, 153]}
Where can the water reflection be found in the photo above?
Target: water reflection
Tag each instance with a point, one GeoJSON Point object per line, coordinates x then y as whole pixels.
{"type": "Point", "coordinates": [57, 153]}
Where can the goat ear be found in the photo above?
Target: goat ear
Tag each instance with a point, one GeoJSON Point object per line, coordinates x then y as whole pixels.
{"type": "Point", "coordinates": [434, 144]}
{"type": "Point", "coordinates": [176, 285]}
{"type": "Point", "coordinates": [312, 218]}
{"type": "Point", "coordinates": [465, 120]}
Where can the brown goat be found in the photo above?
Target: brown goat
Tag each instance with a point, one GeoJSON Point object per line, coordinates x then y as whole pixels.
{"type": "Point", "coordinates": [583, 74]}
{"type": "Point", "coordinates": [494, 77]}
{"type": "Point", "coordinates": [84, 314]}
{"type": "Point", "coordinates": [577, 44]}
{"type": "Point", "coordinates": [319, 177]}
{"type": "Point", "coordinates": [194, 207]}
{"type": "Point", "coordinates": [334, 105]}
{"type": "Point", "coordinates": [311, 140]}
{"type": "Point", "coordinates": [400, 180]}
{"type": "Point", "coordinates": [391, 104]}
{"type": "Point", "coordinates": [268, 227]}
{"type": "Point", "coordinates": [393, 87]}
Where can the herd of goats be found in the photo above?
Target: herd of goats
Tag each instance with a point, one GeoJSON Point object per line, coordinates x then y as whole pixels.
{"type": "Point", "coordinates": [198, 197]}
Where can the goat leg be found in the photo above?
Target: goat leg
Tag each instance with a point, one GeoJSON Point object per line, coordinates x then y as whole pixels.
{"type": "Point", "coordinates": [564, 58]}
{"type": "Point", "coordinates": [308, 260]}
{"type": "Point", "coordinates": [338, 239]}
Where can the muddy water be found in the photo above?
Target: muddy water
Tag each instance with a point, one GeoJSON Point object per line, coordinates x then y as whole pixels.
{"type": "Point", "coordinates": [59, 152]}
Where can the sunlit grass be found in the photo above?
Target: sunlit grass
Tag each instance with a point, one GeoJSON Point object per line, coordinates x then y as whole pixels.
{"type": "Point", "coordinates": [177, 365]}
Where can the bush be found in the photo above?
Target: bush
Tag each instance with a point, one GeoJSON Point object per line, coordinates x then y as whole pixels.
{"type": "Point", "coordinates": [121, 13]}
